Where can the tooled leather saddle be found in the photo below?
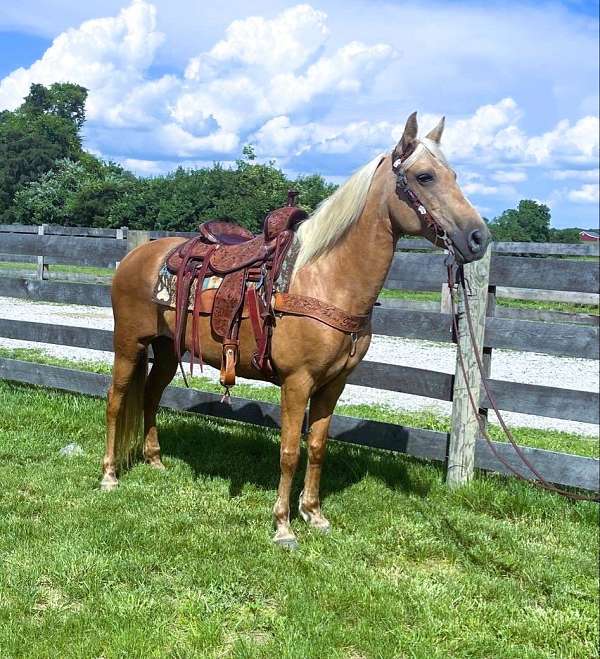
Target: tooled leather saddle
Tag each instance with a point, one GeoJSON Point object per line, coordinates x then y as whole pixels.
{"type": "Point", "coordinates": [248, 267]}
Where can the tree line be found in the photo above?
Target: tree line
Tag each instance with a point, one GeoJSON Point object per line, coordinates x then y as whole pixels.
{"type": "Point", "coordinates": [46, 177]}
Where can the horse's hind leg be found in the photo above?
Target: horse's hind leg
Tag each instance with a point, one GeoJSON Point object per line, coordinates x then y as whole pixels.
{"type": "Point", "coordinates": [123, 409]}
{"type": "Point", "coordinates": [322, 404]}
{"type": "Point", "coordinates": [163, 369]}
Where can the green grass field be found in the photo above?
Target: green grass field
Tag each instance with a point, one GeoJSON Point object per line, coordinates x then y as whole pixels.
{"type": "Point", "coordinates": [180, 563]}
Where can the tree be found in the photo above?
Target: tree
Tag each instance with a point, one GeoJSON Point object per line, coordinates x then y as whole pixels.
{"type": "Point", "coordinates": [529, 222]}
{"type": "Point", "coordinates": [570, 235]}
{"type": "Point", "coordinates": [44, 129]}
{"type": "Point", "coordinates": [75, 194]}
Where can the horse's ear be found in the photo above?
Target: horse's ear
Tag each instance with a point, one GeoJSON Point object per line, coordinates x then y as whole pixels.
{"type": "Point", "coordinates": [408, 139]}
{"type": "Point", "coordinates": [436, 133]}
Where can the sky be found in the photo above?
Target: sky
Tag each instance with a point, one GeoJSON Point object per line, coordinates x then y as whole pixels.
{"type": "Point", "coordinates": [322, 87]}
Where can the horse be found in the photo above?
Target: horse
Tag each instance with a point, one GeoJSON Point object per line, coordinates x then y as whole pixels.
{"type": "Point", "coordinates": [345, 251]}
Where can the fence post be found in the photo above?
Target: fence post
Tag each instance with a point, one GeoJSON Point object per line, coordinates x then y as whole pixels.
{"type": "Point", "coordinates": [490, 312]}
{"type": "Point", "coordinates": [445, 303]}
{"type": "Point", "coordinates": [461, 451]}
{"type": "Point", "coordinates": [136, 238]}
{"type": "Point", "coordinates": [121, 235]}
{"type": "Point", "coordinates": [42, 266]}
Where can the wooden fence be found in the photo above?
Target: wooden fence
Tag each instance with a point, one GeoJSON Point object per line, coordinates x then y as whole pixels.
{"type": "Point", "coordinates": [414, 269]}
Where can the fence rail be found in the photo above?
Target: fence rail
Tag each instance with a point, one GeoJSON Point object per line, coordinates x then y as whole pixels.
{"type": "Point", "coordinates": [560, 468]}
{"type": "Point", "coordinates": [405, 244]}
{"type": "Point", "coordinates": [415, 270]}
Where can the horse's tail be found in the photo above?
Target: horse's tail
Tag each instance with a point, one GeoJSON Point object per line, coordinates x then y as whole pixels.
{"type": "Point", "coordinates": [129, 438]}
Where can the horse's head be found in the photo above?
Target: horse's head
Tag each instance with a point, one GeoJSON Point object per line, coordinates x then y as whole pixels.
{"type": "Point", "coordinates": [428, 201]}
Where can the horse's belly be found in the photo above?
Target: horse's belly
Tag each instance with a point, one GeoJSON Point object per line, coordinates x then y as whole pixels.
{"type": "Point", "coordinates": [212, 348]}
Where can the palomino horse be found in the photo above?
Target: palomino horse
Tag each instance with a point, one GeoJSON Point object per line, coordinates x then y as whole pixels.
{"type": "Point", "coordinates": [346, 248]}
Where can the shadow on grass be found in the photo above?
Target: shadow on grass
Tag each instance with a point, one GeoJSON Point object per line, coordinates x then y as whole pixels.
{"type": "Point", "coordinates": [246, 454]}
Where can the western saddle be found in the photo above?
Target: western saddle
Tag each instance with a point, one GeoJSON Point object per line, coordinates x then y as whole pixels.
{"type": "Point", "coordinates": [248, 266]}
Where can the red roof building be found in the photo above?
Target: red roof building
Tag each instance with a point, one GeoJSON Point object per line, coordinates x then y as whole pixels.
{"type": "Point", "coordinates": [588, 236]}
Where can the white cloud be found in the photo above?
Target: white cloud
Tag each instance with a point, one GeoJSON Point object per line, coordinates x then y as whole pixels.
{"type": "Point", "coordinates": [106, 55]}
{"type": "Point", "coordinates": [476, 188]}
{"type": "Point", "coordinates": [284, 43]}
{"type": "Point", "coordinates": [577, 143]}
{"type": "Point", "coordinates": [589, 193]}
{"type": "Point", "coordinates": [492, 135]}
{"type": "Point", "coordinates": [509, 176]}
{"type": "Point", "coordinates": [579, 174]}
{"type": "Point", "coordinates": [261, 69]}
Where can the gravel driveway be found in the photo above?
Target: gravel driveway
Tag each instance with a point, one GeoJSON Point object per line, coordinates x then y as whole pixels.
{"type": "Point", "coordinates": [530, 368]}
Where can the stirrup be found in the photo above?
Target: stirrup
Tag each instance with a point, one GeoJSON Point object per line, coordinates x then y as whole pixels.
{"type": "Point", "coordinates": [228, 363]}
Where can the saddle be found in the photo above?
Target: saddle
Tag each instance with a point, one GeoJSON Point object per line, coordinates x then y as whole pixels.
{"type": "Point", "coordinates": [248, 266]}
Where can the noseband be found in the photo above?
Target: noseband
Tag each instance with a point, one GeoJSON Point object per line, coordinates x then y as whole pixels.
{"type": "Point", "coordinates": [400, 166]}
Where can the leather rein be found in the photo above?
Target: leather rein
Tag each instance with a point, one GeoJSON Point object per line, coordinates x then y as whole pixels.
{"type": "Point", "coordinates": [456, 276]}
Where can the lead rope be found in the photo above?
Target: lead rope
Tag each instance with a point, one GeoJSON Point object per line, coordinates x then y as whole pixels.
{"type": "Point", "coordinates": [541, 481]}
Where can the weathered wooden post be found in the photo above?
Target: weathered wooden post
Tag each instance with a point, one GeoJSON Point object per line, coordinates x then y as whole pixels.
{"type": "Point", "coordinates": [42, 266]}
{"type": "Point", "coordinates": [136, 238]}
{"type": "Point", "coordinates": [122, 234]}
{"type": "Point", "coordinates": [490, 312]}
{"type": "Point", "coordinates": [461, 451]}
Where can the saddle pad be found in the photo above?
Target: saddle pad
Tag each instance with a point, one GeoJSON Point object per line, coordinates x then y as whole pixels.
{"type": "Point", "coordinates": [166, 285]}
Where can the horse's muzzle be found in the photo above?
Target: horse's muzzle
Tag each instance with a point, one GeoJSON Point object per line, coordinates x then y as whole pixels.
{"type": "Point", "coordinates": [471, 245]}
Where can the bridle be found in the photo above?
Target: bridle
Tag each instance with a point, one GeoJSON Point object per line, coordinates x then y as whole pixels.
{"type": "Point", "coordinates": [404, 192]}
{"type": "Point", "coordinates": [456, 276]}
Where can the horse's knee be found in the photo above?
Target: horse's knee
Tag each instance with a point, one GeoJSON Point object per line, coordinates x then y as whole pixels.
{"type": "Point", "coordinates": [316, 452]}
{"type": "Point", "coordinates": [288, 459]}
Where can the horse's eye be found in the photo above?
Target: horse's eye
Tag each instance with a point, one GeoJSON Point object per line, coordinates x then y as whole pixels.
{"type": "Point", "coordinates": [425, 178]}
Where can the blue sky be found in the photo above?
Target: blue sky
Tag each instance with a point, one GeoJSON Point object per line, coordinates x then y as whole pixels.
{"type": "Point", "coordinates": [325, 85]}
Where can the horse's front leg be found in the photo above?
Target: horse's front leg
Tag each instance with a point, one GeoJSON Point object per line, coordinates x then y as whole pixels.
{"type": "Point", "coordinates": [322, 404]}
{"type": "Point", "coordinates": [294, 397]}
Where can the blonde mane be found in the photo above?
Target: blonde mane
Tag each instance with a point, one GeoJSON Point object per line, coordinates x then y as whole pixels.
{"type": "Point", "coordinates": [335, 215]}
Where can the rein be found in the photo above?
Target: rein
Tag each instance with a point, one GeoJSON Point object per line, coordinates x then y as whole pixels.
{"type": "Point", "coordinates": [456, 276]}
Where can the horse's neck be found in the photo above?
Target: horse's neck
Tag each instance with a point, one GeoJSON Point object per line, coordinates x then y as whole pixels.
{"type": "Point", "coordinates": [352, 273]}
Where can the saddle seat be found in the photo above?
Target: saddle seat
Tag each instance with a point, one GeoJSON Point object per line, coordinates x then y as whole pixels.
{"type": "Point", "coordinates": [249, 266]}
{"type": "Point", "coordinates": [221, 232]}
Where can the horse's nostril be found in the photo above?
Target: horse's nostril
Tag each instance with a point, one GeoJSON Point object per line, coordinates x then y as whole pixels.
{"type": "Point", "coordinates": [475, 240]}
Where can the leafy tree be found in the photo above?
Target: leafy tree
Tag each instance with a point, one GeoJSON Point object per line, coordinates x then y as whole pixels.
{"type": "Point", "coordinates": [75, 194]}
{"type": "Point", "coordinates": [44, 129]}
{"type": "Point", "coordinates": [570, 235]}
{"type": "Point", "coordinates": [529, 222]}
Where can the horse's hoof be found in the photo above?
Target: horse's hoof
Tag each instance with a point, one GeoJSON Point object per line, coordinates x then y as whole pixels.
{"type": "Point", "coordinates": [109, 483]}
{"type": "Point", "coordinates": [156, 464]}
{"type": "Point", "coordinates": [317, 522]}
{"type": "Point", "coordinates": [291, 544]}
{"type": "Point", "coordinates": [323, 527]}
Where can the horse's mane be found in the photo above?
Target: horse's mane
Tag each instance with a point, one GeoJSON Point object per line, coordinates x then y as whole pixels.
{"type": "Point", "coordinates": [335, 215]}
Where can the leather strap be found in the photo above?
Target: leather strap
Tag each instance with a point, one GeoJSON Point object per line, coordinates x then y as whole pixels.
{"type": "Point", "coordinates": [302, 305]}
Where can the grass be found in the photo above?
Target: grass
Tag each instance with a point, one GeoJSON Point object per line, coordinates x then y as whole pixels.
{"type": "Point", "coordinates": [180, 563]}
{"type": "Point", "coordinates": [552, 440]}
{"type": "Point", "coordinates": [432, 296]}
{"type": "Point", "coordinates": [73, 269]}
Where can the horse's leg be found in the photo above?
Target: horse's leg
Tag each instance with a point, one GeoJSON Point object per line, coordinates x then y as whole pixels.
{"type": "Point", "coordinates": [322, 404]}
{"type": "Point", "coordinates": [164, 367]}
{"type": "Point", "coordinates": [123, 409]}
{"type": "Point", "coordinates": [294, 397]}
